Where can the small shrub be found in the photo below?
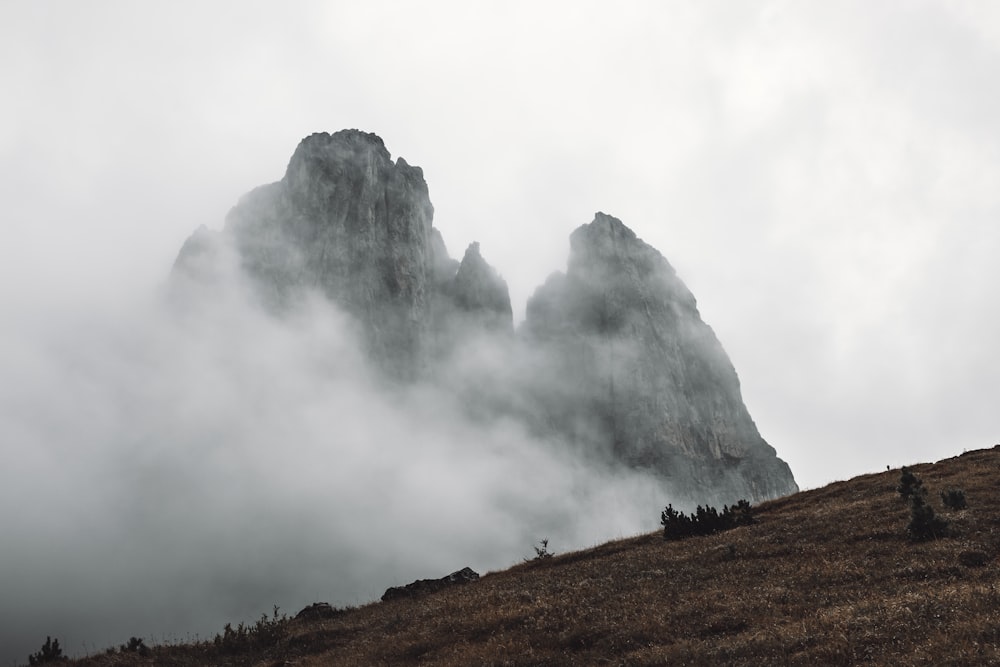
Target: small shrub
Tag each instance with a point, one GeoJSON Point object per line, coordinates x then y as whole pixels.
{"type": "Point", "coordinates": [541, 552]}
{"type": "Point", "coordinates": [743, 513]}
{"type": "Point", "coordinates": [910, 485]}
{"type": "Point", "coordinates": [704, 520]}
{"type": "Point", "coordinates": [924, 524]}
{"type": "Point", "coordinates": [135, 645]}
{"type": "Point", "coordinates": [50, 652]}
{"type": "Point", "coordinates": [270, 631]}
{"type": "Point", "coordinates": [266, 632]}
{"type": "Point", "coordinates": [954, 499]}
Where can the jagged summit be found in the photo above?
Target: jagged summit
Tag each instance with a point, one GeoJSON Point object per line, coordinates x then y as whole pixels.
{"type": "Point", "coordinates": [603, 222]}
{"type": "Point", "coordinates": [347, 137]}
{"type": "Point", "coordinates": [613, 356]}
{"type": "Point", "coordinates": [478, 288]}
{"type": "Point", "coordinates": [607, 249]}
{"type": "Point", "coordinates": [346, 146]}
{"type": "Point", "coordinates": [646, 379]}
{"type": "Point", "coordinates": [348, 221]}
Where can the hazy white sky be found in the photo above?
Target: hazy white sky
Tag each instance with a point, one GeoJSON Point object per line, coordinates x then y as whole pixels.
{"type": "Point", "coordinates": [823, 176]}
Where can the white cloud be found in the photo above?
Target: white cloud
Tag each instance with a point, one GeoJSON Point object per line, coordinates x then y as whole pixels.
{"type": "Point", "coordinates": [821, 175]}
{"type": "Point", "coordinates": [178, 464]}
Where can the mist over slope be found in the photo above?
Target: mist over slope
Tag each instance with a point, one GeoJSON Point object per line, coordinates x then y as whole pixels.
{"type": "Point", "coordinates": [179, 467]}
{"type": "Point", "coordinates": [192, 458]}
{"type": "Point", "coordinates": [831, 576]}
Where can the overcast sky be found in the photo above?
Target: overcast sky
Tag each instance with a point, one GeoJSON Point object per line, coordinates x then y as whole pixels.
{"type": "Point", "coordinates": [823, 176]}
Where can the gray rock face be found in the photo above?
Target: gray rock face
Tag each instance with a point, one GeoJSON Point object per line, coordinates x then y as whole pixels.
{"type": "Point", "coordinates": [478, 296]}
{"type": "Point", "coordinates": [613, 355]}
{"type": "Point", "coordinates": [349, 221]}
{"type": "Point", "coordinates": [319, 611]}
{"type": "Point", "coordinates": [635, 374]}
{"type": "Point", "coordinates": [443, 267]}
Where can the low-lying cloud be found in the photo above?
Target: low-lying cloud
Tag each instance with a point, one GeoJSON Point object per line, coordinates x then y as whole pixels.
{"type": "Point", "coordinates": [175, 464]}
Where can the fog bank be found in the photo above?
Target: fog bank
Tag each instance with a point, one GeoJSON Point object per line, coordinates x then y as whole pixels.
{"type": "Point", "coordinates": [176, 463]}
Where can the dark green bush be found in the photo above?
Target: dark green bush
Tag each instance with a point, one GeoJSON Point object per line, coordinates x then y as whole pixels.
{"type": "Point", "coordinates": [704, 520]}
{"type": "Point", "coordinates": [265, 633]}
{"type": "Point", "coordinates": [924, 524]}
{"type": "Point", "coordinates": [541, 552]}
{"type": "Point", "coordinates": [910, 484]}
{"type": "Point", "coordinates": [136, 645]}
{"type": "Point", "coordinates": [51, 652]}
{"type": "Point", "coordinates": [954, 499]}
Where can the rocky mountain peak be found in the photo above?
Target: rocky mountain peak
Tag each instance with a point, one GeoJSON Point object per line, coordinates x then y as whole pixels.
{"type": "Point", "coordinates": [336, 147]}
{"type": "Point", "coordinates": [347, 157]}
{"type": "Point", "coordinates": [603, 226]}
{"type": "Point", "coordinates": [472, 301]}
{"type": "Point", "coordinates": [478, 287]}
{"type": "Point", "coordinates": [616, 359]}
{"type": "Point", "coordinates": [607, 250]}
{"type": "Point", "coordinates": [605, 241]}
{"type": "Point", "coordinates": [349, 222]}
{"type": "Point", "coordinates": [645, 379]}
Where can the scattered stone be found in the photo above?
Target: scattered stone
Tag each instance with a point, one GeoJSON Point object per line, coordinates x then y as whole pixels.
{"type": "Point", "coordinates": [425, 586]}
{"type": "Point", "coordinates": [317, 611]}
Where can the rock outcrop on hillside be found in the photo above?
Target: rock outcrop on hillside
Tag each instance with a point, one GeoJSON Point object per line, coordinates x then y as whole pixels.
{"type": "Point", "coordinates": [638, 376]}
{"type": "Point", "coordinates": [425, 586]}
{"type": "Point", "coordinates": [612, 357]}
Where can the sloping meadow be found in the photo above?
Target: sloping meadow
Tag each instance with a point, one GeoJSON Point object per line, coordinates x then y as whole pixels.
{"type": "Point", "coordinates": [826, 576]}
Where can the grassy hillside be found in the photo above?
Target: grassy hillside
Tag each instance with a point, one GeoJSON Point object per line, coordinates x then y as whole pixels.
{"type": "Point", "coordinates": [824, 577]}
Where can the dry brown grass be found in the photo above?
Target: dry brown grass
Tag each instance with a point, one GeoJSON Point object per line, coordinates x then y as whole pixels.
{"type": "Point", "coordinates": [825, 577]}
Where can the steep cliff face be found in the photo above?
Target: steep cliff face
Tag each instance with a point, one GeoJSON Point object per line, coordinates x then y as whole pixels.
{"type": "Point", "coordinates": [636, 374]}
{"type": "Point", "coordinates": [613, 355]}
{"type": "Point", "coordinates": [478, 296]}
{"type": "Point", "coordinates": [349, 221]}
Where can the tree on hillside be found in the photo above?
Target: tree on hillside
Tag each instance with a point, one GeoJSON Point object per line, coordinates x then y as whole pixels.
{"type": "Point", "coordinates": [924, 524]}
{"type": "Point", "coordinates": [909, 484]}
{"type": "Point", "coordinates": [51, 652]}
{"type": "Point", "coordinates": [704, 520]}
